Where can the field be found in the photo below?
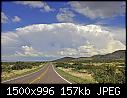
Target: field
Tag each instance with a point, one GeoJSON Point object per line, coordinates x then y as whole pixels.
{"type": "Point", "coordinates": [15, 69]}
{"type": "Point", "coordinates": [92, 71]}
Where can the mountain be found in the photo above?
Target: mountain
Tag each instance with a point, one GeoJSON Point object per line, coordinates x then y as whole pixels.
{"type": "Point", "coordinates": [120, 54]}
{"type": "Point", "coordinates": [64, 59]}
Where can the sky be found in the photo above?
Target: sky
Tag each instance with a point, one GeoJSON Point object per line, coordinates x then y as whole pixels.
{"type": "Point", "coordinates": [40, 30]}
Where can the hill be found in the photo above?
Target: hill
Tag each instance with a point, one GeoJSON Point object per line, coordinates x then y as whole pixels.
{"type": "Point", "coordinates": [120, 54]}
{"type": "Point", "coordinates": [64, 59]}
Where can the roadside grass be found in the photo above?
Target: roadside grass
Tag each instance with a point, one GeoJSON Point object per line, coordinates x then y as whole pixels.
{"type": "Point", "coordinates": [74, 77]}
{"type": "Point", "coordinates": [16, 73]}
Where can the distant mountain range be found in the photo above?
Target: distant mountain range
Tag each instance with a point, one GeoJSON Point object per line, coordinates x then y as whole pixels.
{"type": "Point", "coordinates": [120, 54]}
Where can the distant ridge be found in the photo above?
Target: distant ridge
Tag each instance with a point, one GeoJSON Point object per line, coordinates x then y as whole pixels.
{"type": "Point", "coordinates": [64, 59]}
{"type": "Point", "coordinates": [120, 54]}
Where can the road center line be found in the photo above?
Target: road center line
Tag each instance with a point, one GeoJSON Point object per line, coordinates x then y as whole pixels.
{"type": "Point", "coordinates": [38, 78]}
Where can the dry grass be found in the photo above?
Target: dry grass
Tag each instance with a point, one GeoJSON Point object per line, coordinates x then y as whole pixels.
{"type": "Point", "coordinates": [82, 74]}
{"type": "Point", "coordinates": [16, 73]}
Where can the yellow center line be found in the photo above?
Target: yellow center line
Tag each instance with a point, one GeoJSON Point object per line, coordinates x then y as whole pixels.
{"type": "Point", "coordinates": [38, 78]}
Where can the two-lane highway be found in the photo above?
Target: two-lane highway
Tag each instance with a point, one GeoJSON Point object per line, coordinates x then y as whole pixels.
{"type": "Point", "coordinates": [46, 75]}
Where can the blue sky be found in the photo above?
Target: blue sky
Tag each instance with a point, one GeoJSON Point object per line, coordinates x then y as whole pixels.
{"type": "Point", "coordinates": [30, 15]}
{"type": "Point", "coordinates": [72, 20]}
{"type": "Point", "coordinates": [35, 16]}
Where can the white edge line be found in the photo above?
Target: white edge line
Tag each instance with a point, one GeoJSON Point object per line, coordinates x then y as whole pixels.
{"type": "Point", "coordinates": [21, 76]}
{"type": "Point", "coordinates": [61, 76]}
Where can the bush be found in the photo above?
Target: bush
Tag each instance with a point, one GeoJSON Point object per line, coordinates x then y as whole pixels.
{"type": "Point", "coordinates": [108, 74]}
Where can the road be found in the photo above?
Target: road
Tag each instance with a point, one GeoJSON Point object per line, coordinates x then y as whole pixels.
{"type": "Point", "coordinates": [46, 75]}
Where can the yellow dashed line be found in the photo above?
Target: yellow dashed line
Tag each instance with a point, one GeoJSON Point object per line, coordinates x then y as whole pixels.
{"type": "Point", "coordinates": [38, 78]}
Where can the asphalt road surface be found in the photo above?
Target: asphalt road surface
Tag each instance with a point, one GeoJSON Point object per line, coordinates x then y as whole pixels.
{"type": "Point", "coordinates": [46, 75]}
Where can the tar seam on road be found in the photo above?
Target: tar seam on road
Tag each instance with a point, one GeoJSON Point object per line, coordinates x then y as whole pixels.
{"type": "Point", "coordinates": [61, 76]}
{"type": "Point", "coordinates": [22, 76]}
{"type": "Point", "coordinates": [38, 78]}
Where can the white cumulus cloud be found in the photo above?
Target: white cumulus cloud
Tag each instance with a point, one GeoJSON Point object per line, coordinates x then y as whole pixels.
{"type": "Point", "coordinates": [65, 15]}
{"type": "Point", "coordinates": [16, 19]}
{"type": "Point", "coordinates": [59, 40]}
{"type": "Point", "coordinates": [4, 18]}
{"type": "Point", "coordinates": [36, 4]}
{"type": "Point", "coordinates": [27, 51]}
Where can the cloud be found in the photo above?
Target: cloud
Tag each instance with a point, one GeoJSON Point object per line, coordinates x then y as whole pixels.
{"type": "Point", "coordinates": [4, 18]}
{"type": "Point", "coordinates": [65, 15]}
{"type": "Point", "coordinates": [118, 34]}
{"type": "Point", "coordinates": [16, 19]}
{"type": "Point", "coordinates": [98, 9]}
{"type": "Point", "coordinates": [36, 4]}
{"type": "Point", "coordinates": [59, 40]}
{"type": "Point", "coordinates": [26, 51]}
